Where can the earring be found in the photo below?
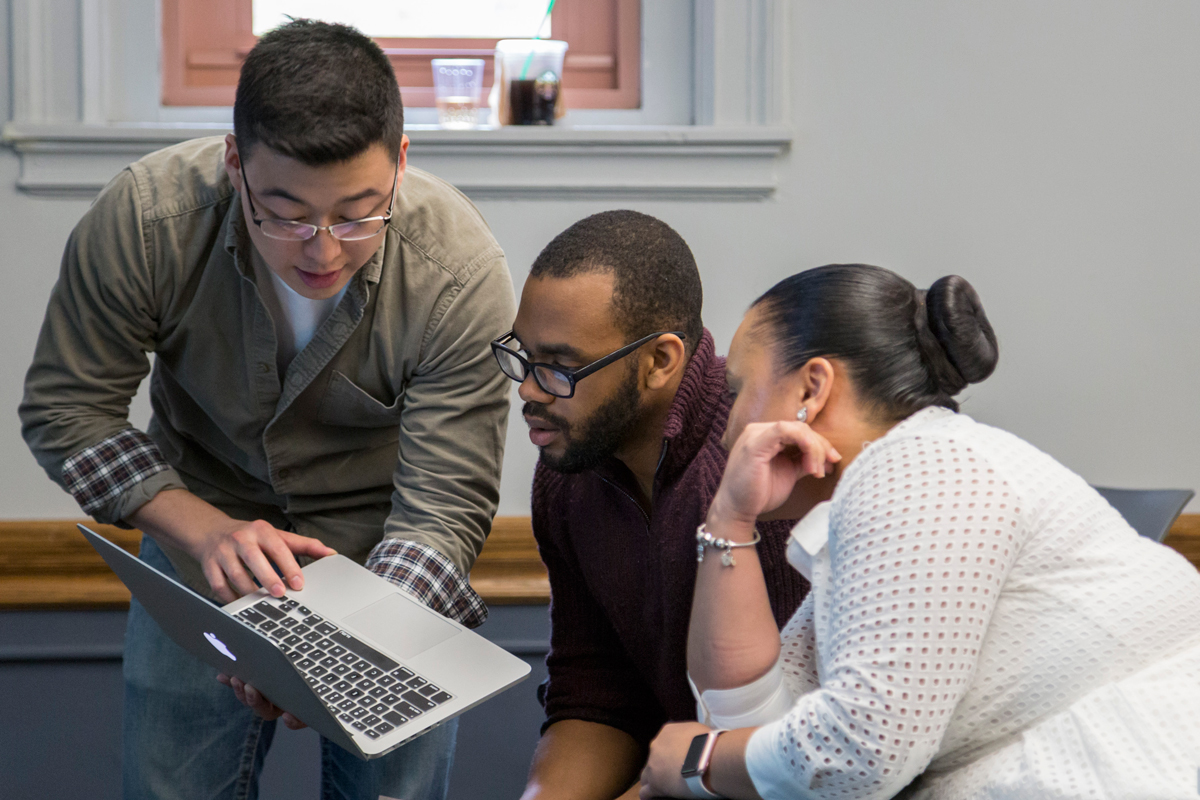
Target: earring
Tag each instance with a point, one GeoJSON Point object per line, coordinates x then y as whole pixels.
{"type": "Point", "coordinates": [802, 414]}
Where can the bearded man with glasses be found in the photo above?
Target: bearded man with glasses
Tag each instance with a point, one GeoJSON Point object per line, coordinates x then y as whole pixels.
{"type": "Point", "coordinates": [626, 401]}
{"type": "Point", "coordinates": [320, 315]}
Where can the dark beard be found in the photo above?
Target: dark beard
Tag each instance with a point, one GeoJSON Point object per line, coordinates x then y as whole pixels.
{"type": "Point", "coordinates": [600, 434]}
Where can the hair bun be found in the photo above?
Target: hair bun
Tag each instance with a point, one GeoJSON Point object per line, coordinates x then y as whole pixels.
{"type": "Point", "coordinates": [957, 319]}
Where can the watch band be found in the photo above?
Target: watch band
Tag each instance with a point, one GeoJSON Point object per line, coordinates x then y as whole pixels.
{"type": "Point", "coordinates": [698, 789]}
{"type": "Point", "coordinates": [693, 773]}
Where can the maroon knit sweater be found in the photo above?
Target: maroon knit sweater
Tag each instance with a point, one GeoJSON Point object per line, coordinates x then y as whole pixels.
{"type": "Point", "coordinates": [621, 582]}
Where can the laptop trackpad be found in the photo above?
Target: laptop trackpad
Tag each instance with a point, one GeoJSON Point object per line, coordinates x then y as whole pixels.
{"type": "Point", "coordinates": [404, 627]}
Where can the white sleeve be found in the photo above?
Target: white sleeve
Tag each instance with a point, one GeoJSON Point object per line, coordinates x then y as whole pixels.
{"type": "Point", "coordinates": [921, 540]}
{"type": "Point", "coordinates": [757, 703]}
{"type": "Point", "coordinates": [771, 696]}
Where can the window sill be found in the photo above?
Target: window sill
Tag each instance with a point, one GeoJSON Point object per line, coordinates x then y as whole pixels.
{"type": "Point", "coordinates": [650, 162]}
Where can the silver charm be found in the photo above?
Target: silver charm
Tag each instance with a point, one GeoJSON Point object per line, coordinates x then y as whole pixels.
{"type": "Point", "coordinates": [727, 558]}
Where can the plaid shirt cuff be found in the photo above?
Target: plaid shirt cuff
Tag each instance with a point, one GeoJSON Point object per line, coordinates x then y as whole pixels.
{"type": "Point", "coordinates": [423, 572]}
{"type": "Point", "coordinates": [100, 474]}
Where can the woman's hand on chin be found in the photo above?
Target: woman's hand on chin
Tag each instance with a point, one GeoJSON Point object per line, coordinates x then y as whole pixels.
{"type": "Point", "coordinates": [763, 467]}
{"type": "Point", "coordinates": [662, 776]}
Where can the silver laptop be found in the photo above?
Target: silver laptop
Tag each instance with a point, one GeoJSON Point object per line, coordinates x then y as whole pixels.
{"type": "Point", "coordinates": [354, 657]}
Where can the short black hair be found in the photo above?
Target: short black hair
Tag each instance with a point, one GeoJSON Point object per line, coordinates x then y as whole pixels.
{"type": "Point", "coordinates": [317, 92]}
{"type": "Point", "coordinates": [656, 285]}
{"type": "Point", "coordinates": [905, 349]}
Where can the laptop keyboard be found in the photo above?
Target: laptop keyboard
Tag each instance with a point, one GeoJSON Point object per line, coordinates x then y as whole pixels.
{"type": "Point", "coordinates": [368, 692]}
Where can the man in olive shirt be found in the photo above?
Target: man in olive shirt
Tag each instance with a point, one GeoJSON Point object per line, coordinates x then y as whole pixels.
{"type": "Point", "coordinates": [320, 316]}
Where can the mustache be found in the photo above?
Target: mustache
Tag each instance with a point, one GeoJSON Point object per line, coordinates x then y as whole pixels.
{"type": "Point", "coordinates": [539, 411]}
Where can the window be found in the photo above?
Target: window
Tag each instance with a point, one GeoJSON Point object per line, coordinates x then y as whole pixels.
{"type": "Point", "coordinates": [204, 42]}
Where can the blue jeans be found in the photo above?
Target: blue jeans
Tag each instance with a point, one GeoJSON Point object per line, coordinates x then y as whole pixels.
{"type": "Point", "coordinates": [187, 737]}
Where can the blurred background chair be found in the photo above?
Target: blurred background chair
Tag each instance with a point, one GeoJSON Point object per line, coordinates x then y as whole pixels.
{"type": "Point", "coordinates": [1150, 512]}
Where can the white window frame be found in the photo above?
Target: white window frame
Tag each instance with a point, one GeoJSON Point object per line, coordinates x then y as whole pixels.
{"type": "Point", "coordinates": [84, 98]}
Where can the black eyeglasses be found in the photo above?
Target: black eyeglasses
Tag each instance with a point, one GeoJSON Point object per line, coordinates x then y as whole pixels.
{"type": "Point", "coordinates": [551, 378]}
{"type": "Point", "coordinates": [291, 231]}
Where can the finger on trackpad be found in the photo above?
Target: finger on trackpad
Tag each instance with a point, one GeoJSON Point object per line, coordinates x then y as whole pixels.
{"type": "Point", "coordinates": [402, 626]}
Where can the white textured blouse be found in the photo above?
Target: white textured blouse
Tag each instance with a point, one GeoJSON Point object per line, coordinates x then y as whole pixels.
{"type": "Point", "coordinates": [983, 619]}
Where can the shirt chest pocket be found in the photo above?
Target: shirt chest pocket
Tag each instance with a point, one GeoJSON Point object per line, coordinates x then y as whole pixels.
{"type": "Point", "coordinates": [347, 405]}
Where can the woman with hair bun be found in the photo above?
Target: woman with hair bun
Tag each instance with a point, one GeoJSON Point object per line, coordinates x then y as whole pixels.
{"type": "Point", "coordinates": [982, 624]}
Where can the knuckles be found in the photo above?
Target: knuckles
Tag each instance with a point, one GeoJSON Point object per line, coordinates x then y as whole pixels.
{"type": "Point", "coordinates": [243, 536]}
{"type": "Point", "coordinates": [252, 533]}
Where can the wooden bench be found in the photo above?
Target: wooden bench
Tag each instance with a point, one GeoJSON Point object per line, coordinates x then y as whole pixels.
{"type": "Point", "coordinates": [47, 564]}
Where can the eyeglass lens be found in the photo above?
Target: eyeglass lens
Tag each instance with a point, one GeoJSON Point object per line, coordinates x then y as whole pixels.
{"type": "Point", "coordinates": [300, 231]}
{"type": "Point", "coordinates": [551, 381]}
{"type": "Point", "coordinates": [510, 364]}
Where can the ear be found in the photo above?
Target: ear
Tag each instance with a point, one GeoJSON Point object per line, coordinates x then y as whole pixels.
{"type": "Point", "coordinates": [667, 360]}
{"type": "Point", "coordinates": [814, 385]}
{"type": "Point", "coordinates": [402, 161]}
{"type": "Point", "coordinates": [233, 162]}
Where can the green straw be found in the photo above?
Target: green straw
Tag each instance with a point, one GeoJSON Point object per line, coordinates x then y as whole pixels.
{"type": "Point", "coordinates": [538, 35]}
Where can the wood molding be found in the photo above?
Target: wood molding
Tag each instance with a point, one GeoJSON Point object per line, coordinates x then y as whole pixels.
{"type": "Point", "coordinates": [519, 162]}
{"type": "Point", "coordinates": [509, 570]}
{"type": "Point", "coordinates": [1184, 537]}
{"type": "Point", "coordinates": [47, 564]}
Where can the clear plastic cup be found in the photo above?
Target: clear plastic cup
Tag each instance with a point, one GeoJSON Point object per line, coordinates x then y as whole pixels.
{"type": "Point", "coordinates": [530, 76]}
{"type": "Point", "coordinates": [457, 86]}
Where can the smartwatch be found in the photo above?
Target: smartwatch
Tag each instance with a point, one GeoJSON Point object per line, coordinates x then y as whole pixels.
{"type": "Point", "coordinates": [696, 763]}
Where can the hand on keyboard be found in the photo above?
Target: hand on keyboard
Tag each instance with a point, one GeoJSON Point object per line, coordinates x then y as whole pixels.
{"type": "Point", "coordinates": [234, 554]}
{"type": "Point", "coordinates": [254, 700]}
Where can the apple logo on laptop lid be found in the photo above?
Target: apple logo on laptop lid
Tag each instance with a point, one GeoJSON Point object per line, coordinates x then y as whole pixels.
{"type": "Point", "coordinates": [220, 646]}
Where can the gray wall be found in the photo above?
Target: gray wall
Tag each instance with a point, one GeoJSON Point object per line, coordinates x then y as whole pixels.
{"type": "Point", "coordinates": [1047, 151]}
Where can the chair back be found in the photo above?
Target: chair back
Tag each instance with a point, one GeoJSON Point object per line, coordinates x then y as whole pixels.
{"type": "Point", "coordinates": [1150, 512]}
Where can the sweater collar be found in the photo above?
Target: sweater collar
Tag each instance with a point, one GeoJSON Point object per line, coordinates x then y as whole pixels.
{"type": "Point", "coordinates": [700, 403]}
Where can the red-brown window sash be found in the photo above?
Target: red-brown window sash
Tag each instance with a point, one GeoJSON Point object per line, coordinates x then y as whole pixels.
{"type": "Point", "coordinates": [205, 41]}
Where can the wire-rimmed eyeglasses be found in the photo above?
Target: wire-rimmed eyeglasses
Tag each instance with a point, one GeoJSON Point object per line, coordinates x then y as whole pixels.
{"type": "Point", "coordinates": [291, 231]}
{"type": "Point", "coordinates": [551, 378]}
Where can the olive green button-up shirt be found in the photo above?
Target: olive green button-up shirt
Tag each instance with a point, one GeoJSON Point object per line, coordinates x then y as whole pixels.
{"type": "Point", "coordinates": [390, 423]}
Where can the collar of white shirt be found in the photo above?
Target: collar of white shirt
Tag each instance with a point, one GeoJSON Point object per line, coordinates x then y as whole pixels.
{"type": "Point", "coordinates": [809, 538]}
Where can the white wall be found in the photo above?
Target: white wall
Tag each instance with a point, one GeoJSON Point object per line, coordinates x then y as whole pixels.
{"type": "Point", "coordinates": [32, 234]}
{"type": "Point", "coordinates": [1047, 152]}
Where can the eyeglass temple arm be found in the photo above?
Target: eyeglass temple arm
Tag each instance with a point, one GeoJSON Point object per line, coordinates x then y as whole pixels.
{"type": "Point", "coordinates": [583, 372]}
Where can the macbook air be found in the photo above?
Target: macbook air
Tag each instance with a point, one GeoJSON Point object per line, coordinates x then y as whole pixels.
{"type": "Point", "coordinates": [351, 655]}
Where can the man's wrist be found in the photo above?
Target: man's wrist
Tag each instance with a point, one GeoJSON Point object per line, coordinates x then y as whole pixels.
{"type": "Point", "coordinates": [182, 520]}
